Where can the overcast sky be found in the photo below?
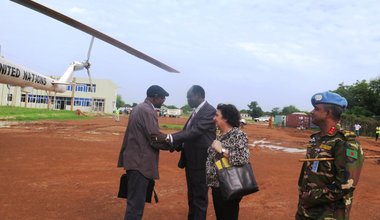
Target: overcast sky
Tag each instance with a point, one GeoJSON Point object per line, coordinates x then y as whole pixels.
{"type": "Point", "coordinates": [277, 53]}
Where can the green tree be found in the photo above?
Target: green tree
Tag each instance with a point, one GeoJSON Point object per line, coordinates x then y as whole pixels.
{"type": "Point", "coordinates": [244, 111]}
{"type": "Point", "coordinates": [289, 110]}
{"type": "Point", "coordinates": [255, 110]}
{"type": "Point", "coordinates": [171, 107]}
{"type": "Point", "coordinates": [362, 97]}
{"type": "Point", "coordinates": [186, 109]}
{"type": "Point", "coordinates": [119, 101]}
{"type": "Point", "coordinates": [275, 111]}
{"type": "Point", "coordinates": [375, 87]}
{"type": "Point", "coordinates": [363, 105]}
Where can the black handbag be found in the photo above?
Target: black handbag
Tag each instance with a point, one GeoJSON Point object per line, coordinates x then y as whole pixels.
{"type": "Point", "coordinates": [123, 189]}
{"type": "Point", "coordinates": [236, 181]}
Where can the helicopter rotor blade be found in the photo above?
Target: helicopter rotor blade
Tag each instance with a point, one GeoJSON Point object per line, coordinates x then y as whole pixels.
{"type": "Point", "coordinates": [90, 48]}
{"type": "Point", "coordinates": [69, 21]}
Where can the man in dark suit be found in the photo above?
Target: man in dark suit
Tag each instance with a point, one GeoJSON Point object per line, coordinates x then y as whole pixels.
{"type": "Point", "coordinates": [197, 135]}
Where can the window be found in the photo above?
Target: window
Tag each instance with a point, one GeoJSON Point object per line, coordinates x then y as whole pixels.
{"type": "Point", "coordinates": [68, 101]}
{"type": "Point", "coordinates": [9, 97]}
{"type": "Point", "coordinates": [84, 88]}
{"type": "Point", "coordinates": [90, 88]}
{"type": "Point", "coordinates": [31, 98]}
{"type": "Point", "coordinates": [35, 98]}
{"type": "Point", "coordinates": [22, 98]}
{"type": "Point", "coordinates": [82, 102]}
{"type": "Point", "coordinates": [93, 88]}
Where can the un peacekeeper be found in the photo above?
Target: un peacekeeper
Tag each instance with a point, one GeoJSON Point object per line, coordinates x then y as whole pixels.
{"type": "Point", "coordinates": [326, 188]}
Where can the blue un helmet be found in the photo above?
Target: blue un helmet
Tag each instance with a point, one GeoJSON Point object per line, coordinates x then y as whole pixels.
{"type": "Point", "coordinates": [329, 98]}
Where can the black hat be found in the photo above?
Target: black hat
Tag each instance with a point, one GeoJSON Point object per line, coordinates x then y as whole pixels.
{"type": "Point", "coordinates": [156, 91]}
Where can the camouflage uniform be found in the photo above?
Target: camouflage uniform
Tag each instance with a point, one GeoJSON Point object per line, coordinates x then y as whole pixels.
{"type": "Point", "coordinates": [326, 187]}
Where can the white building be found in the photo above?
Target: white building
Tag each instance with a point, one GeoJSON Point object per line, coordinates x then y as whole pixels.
{"type": "Point", "coordinates": [101, 99]}
{"type": "Point", "coordinates": [245, 116]}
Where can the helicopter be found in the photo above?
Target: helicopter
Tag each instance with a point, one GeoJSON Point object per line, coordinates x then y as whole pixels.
{"type": "Point", "coordinates": [17, 75]}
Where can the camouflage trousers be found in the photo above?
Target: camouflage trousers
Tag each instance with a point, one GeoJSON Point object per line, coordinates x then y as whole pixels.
{"type": "Point", "coordinates": [338, 214]}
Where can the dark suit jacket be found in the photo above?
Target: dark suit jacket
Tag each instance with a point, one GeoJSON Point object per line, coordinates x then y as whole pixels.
{"type": "Point", "coordinates": [197, 138]}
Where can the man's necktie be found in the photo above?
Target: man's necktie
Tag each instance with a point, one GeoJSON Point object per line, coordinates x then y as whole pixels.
{"type": "Point", "coordinates": [191, 118]}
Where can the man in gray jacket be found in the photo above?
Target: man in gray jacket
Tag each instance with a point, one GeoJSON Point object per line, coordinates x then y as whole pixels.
{"type": "Point", "coordinates": [138, 156]}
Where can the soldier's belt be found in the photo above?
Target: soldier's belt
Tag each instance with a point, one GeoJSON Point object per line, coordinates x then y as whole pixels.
{"type": "Point", "coordinates": [331, 158]}
{"type": "Point", "coordinates": [315, 159]}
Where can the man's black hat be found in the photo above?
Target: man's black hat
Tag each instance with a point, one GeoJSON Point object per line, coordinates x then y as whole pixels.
{"type": "Point", "coordinates": [156, 91]}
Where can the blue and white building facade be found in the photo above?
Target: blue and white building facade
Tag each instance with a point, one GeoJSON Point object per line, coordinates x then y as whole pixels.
{"type": "Point", "coordinates": [102, 98]}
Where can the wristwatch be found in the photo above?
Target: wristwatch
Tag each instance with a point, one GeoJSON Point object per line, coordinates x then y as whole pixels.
{"type": "Point", "coordinates": [223, 150]}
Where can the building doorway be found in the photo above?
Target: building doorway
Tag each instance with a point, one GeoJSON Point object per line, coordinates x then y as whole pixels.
{"type": "Point", "coordinates": [98, 105]}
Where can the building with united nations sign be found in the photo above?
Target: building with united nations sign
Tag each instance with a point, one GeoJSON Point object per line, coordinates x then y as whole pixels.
{"type": "Point", "coordinates": [79, 95]}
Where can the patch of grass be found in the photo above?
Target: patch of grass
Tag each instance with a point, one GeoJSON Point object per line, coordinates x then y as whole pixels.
{"type": "Point", "coordinates": [171, 126]}
{"type": "Point", "coordinates": [33, 114]}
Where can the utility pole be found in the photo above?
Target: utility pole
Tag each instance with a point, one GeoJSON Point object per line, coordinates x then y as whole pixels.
{"type": "Point", "coordinates": [73, 87]}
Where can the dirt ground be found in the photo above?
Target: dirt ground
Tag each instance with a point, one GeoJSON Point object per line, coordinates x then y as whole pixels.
{"type": "Point", "coordinates": [67, 170]}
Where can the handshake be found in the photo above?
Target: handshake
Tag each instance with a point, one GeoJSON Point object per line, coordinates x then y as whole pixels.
{"type": "Point", "coordinates": [165, 142]}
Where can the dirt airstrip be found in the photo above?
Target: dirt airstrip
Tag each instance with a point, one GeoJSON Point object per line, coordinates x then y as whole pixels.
{"type": "Point", "coordinates": [67, 170]}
